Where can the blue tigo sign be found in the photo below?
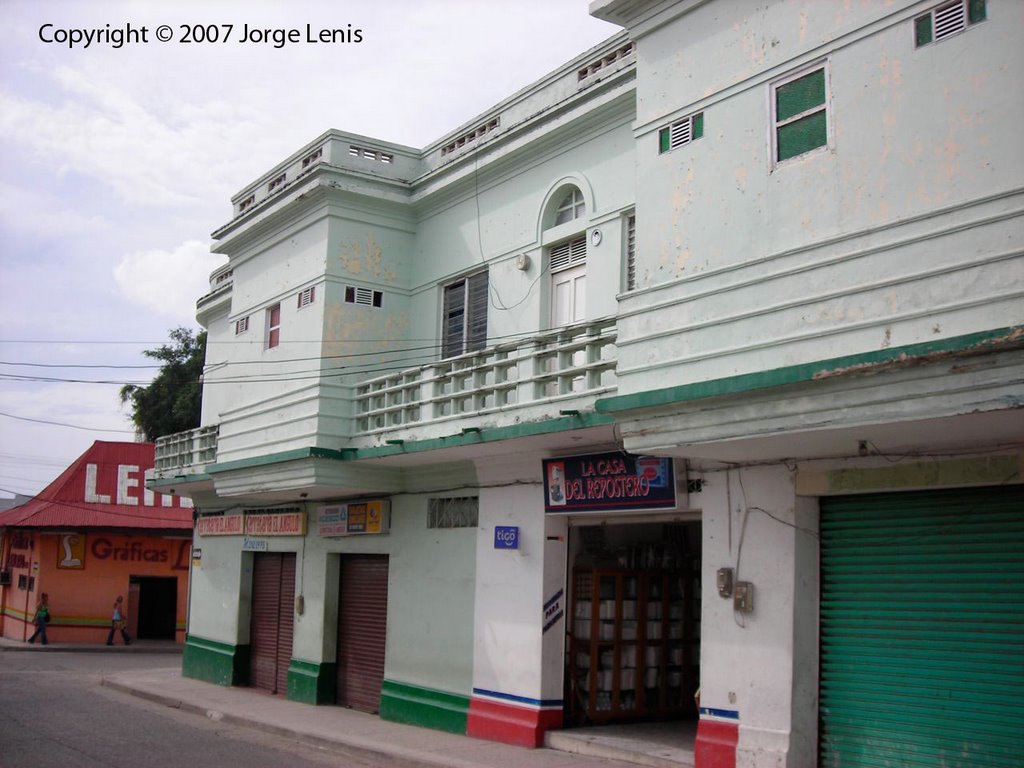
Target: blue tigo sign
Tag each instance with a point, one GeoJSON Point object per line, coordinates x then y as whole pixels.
{"type": "Point", "coordinates": [506, 537]}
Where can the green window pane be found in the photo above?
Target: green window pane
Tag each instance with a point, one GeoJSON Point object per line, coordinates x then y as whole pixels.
{"type": "Point", "coordinates": [663, 140]}
{"type": "Point", "coordinates": [800, 95]}
{"type": "Point", "coordinates": [975, 11]}
{"type": "Point", "coordinates": [923, 30]}
{"type": "Point", "coordinates": [698, 125]}
{"type": "Point", "coordinates": [802, 135]}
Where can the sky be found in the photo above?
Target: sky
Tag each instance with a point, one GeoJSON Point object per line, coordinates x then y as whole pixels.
{"type": "Point", "coordinates": [119, 153]}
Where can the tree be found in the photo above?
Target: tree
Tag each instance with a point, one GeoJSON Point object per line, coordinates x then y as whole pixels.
{"type": "Point", "coordinates": [173, 400]}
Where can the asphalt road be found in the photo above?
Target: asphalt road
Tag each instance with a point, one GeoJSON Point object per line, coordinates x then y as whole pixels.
{"type": "Point", "coordinates": [54, 713]}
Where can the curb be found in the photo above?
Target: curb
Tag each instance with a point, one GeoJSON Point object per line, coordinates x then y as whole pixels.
{"type": "Point", "coordinates": [400, 757]}
{"type": "Point", "coordinates": [100, 648]}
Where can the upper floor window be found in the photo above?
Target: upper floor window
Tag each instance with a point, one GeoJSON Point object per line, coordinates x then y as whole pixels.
{"type": "Point", "coordinates": [681, 132]}
{"type": "Point", "coordinates": [241, 325]}
{"type": "Point", "coordinates": [630, 249]}
{"type": "Point", "coordinates": [307, 296]}
{"type": "Point", "coordinates": [947, 19]}
{"type": "Point", "coordinates": [800, 113]}
{"type": "Point", "coordinates": [571, 207]}
{"type": "Point", "coordinates": [464, 315]}
{"type": "Point", "coordinates": [273, 326]}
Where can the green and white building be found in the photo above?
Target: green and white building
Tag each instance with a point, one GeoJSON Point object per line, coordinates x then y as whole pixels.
{"type": "Point", "coordinates": [697, 363]}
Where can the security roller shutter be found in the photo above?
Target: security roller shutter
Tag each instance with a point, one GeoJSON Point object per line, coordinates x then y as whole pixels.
{"type": "Point", "coordinates": [362, 628]}
{"type": "Point", "coordinates": [270, 634]}
{"type": "Point", "coordinates": [922, 629]}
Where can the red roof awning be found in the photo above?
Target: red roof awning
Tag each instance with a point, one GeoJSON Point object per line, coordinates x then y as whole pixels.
{"type": "Point", "coordinates": [103, 488]}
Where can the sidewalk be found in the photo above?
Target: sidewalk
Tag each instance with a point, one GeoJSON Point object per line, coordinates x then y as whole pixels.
{"type": "Point", "coordinates": [347, 731]}
{"type": "Point", "coordinates": [137, 646]}
{"type": "Point", "coordinates": [342, 730]}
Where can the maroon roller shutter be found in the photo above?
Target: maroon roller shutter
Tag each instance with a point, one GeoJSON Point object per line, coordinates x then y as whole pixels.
{"type": "Point", "coordinates": [270, 634]}
{"type": "Point", "coordinates": [362, 627]}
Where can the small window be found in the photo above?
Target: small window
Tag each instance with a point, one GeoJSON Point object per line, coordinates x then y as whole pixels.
{"type": "Point", "coordinates": [682, 132]}
{"type": "Point", "coordinates": [274, 326]}
{"type": "Point", "coordinates": [241, 325]}
{"type": "Point", "coordinates": [464, 320]}
{"type": "Point", "coordinates": [277, 183]}
{"type": "Point", "coordinates": [461, 512]}
{"type": "Point", "coordinates": [800, 114]}
{"type": "Point", "coordinates": [366, 297]}
{"type": "Point", "coordinates": [947, 19]}
{"type": "Point", "coordinates": [572, 207]}
{"type": "Point", "coordinates": [312, 158]}
{"type": "Point", "coordinates": [631, 252]}
{"type": "Point", "coordinates": [307, 296]}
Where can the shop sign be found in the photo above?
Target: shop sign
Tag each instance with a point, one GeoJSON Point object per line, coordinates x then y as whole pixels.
{"type": "Point", "coordinates": [607, 482]}
{"type": "Point", "coordinates": [255, 545]}
{"type": "Point", "coordinates": [197, 558]}
{"type": "Point", "coordinates": [219, 525]}
{"type": "Point", "coordinates": [506, 537]}
{"type": "Point", "coordinates": [276, 524]}
{"type": "Point", "coordinates": [357, 518]}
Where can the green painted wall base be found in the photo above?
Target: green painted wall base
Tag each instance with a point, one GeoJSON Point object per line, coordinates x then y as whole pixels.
{"type": "Point", "coordinates": [215, 662]}
{"type": "Point", "coordinates": [312, 683]}
{"type": "Point", "coordinates": [425, 707]}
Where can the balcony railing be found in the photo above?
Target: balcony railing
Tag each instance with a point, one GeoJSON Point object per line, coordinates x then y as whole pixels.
{"type": "Point", "coordinates": [569, 366]}
{"type": "Point", "coordinates": [186, 449]}
{"type": "Point", "coordinates": [559, 364]}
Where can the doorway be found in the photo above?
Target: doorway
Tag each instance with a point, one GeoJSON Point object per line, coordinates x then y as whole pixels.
{"type": "Point", "coordinates": [153, 607]}
{"type": "Point", "coordinates": [633, 637]}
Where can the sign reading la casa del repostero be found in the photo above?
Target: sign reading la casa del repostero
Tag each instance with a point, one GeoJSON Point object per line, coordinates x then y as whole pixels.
{"type": "Point", "coordinates": [608, 481]}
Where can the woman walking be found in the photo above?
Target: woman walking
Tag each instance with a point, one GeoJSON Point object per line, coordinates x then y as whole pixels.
{"type": "Point", "coordinates": [117, 621]}
{"type": "Point", "coordinates": [41, 619]}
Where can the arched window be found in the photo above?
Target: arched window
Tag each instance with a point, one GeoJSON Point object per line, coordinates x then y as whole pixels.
{"type": "Point", "coordinates": [571, 207]}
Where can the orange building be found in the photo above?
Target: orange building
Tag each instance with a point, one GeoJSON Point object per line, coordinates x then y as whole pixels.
{"type": "Point", "coordinates": [95, 533]}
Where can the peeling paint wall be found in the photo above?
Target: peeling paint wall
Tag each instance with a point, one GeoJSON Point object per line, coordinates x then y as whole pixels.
{"type": "Point", "coordinates": [905, 228]}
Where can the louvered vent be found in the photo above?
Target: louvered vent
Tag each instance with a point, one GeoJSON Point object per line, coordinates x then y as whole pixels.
{"type": "Point", "coordinates": [949, 20]}
{"type": "Point", "coordinates": [631, 253]}
{"type": "Point", "coordinates": [569, 254]}
{"type": "Point", "coordinates": [366, 297]}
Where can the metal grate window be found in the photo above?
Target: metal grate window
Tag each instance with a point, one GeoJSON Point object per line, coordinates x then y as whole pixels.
{"type": "Point", "coordinates": [681, 133]}
{"type": "Point", "coordinates": [307, 296]}
{"type": "Point", "coordinates": [458, 512]}
{"type": "Point", "coordinates": [947, 20]}
{"type": "Point", "coordinates": [241, 325]}
{"type": "Point", "coordinates": [366, 297]}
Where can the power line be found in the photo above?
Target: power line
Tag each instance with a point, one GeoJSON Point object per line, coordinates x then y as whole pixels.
{"type": "Point", "coordinates": [70, 426]}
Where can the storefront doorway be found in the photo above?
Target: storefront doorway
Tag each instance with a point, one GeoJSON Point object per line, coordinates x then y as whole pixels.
{"type": "Point", "coordinates": [362, 630]}
{"type": "Point", "coordinates": [152, 607]}
{"type": "Point", "coordinates": [633, 636]}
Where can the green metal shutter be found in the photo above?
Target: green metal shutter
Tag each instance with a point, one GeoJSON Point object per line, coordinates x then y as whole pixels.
{"type": "Point", "coordinates": [922, 629]}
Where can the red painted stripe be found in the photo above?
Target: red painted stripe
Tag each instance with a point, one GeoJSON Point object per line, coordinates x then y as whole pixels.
{"type": "Point", "coordinates": [716, 744]}
{"type": "Point", "coordinates": [510, 724]}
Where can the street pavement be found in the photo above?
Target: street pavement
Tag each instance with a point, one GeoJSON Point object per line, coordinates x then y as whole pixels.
{"type": "Point", "coordinates": [356, 733]}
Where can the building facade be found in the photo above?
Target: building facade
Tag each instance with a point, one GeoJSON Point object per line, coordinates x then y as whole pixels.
{"type": "Point", "coordinates": [696, 364]}
{"type": "Point", "coordinates": [95, 533]}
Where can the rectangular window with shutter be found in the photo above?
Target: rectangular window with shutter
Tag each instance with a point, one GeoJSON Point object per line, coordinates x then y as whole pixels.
{"type": "Point", "coordinates": [307, 296]}
{"type": "Point", "coordinates": [464, 315]}
{"type": "Point", "coordinates": [273, 326]}
{"type": "Point", "coordinates": [800, 113]}
{"type": "Point", "coordinates": [948, 19]}
{"type": "Point", "coordinates": [681, 132]}
{"type": "Point", "coordinates": [631, 252]}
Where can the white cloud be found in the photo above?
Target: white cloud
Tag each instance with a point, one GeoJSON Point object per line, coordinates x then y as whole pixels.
{"type": "Point", "coordinates": [168, 282]}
